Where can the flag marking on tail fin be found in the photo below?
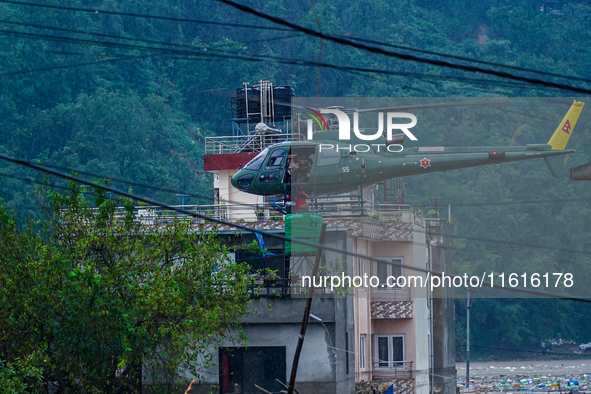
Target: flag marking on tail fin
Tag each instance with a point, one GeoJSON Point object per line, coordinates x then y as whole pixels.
{"type": "Point", "coordinates": [564, 130]}
{"type": "Point", "coordinates": [566, 127]}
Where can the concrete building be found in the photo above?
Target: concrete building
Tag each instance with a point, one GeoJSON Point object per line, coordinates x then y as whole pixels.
{"type": "Point", "coordinates": [396, 335]}
{"type": "Point", "coordinates": [272, 328]}
{"type": "Point", "coordinates": [581, 173]}
{"type": "Point", "coordinates": [392, 323]}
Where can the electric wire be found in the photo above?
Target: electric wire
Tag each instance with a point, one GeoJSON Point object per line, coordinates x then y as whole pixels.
{"type": "Point", "coordinates": [32, 181]}
{"type": "Point", "coordinates": [143, 40]}
{"type": "Point", "coordinates": [97, 11]}
{"type": "Point", "coordinates": [467, 59]}
{"type": "Point", "coordinates": [254, 26]}
{"type": "Point", "coordinates": [476, 204]}
{"type": "Point", "coordinates": [111, 44]}
{"type": "Point", "coordinates": [200, 52]}
{"type": "Point", "coordinates": [268, 233]}
{"type": "Point", "coordinates": [67, 66]}
{"type": "Point", "coordinates": [398, 55]}
{"type": "Point", "coordinates": [202, 197]}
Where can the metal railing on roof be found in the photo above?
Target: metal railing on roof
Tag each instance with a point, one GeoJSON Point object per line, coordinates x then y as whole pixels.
{"type": "Point", "coordinates": [247, 143]}
{"type": "Point", "coordinates": [381, 214]}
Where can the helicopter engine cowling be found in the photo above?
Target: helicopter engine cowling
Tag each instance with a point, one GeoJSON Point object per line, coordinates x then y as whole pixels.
{"type": "Point", "coordinates": [396, 139]}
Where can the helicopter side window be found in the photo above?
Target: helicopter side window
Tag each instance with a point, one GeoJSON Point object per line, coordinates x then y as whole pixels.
{"type": "Point", "coordinates": [256, 163]}
{"type": "Point", "coordinates": [277, 159]}
{"type": "Point", "coordinates": [245, 180]}
{"type": "Point", "coordinates": [328, 157]}
{"type": "Point", "coordinates": [269, 176]}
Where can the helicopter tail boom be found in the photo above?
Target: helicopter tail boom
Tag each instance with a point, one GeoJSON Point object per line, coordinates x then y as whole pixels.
{"type": "Point", "coordinates": [564, 130]}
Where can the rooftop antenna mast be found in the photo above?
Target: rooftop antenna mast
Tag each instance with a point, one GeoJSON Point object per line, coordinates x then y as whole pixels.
{"type": "Point", "coordinates": [246, 98]}
{"type": "Point", "coordinates": [267, 102]}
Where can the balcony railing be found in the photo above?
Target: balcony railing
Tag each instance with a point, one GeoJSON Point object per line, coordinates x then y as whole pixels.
{"type": "Point", "coordinates": [381, 214]}
{"type": "Point", "coordinates": [392, 370]}
{"type": "Point", "coordinates": [247, 143]}
{"type": "Point", "coordinates": [435, 230]}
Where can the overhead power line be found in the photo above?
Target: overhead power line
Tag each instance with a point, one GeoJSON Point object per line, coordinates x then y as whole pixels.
{"type": "Point", "coordinates": [143, 40]}
{"type": "Point", "coordinates": [97, 11]}
{"type": "Point", "coordinates": [189, 194]}
{"type": "Point", "coordinates": [205, 53]}
{"type": "Point", "coordinates": [267, 233]}
{"type": "Point", "coordinates": [398, 55]}
{"type": "Point", "coordinates": [258, 27]}
{"type": "Point", "coordinates": [66, 66]}
{"type": "Point", "coordinates": [32, 181]}
{"type": "Point", "coordinates": [514, 243]}
{"type": "Point", "coordinates": [484, 204]}
{"type": "Point", "coordinates": [199, 51]}
{"type": "Point", "coordinates": [467, 59]}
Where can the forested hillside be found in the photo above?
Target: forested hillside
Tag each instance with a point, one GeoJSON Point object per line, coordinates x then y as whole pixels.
{"type": "Point", "coordinates": [129, 90]}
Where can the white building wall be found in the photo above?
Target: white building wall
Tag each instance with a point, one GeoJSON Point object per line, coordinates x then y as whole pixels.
{"type": "Point", "coordinates": [232, 198]}
{"type": "Point", "coordinates": [421, 316]}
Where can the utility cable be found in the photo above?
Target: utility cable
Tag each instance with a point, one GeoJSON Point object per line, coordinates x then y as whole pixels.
{"type": "Point", "coordinates": [253, 26]}
{"type": "Point", "coordinates": [398, 55]}
{"type": "Point", "coordinates": [201, 53]}
{"type": "Point", "coordinates": [97, 11]}
{"type": "Point", "coordinates": [143, 40]}
{"type": "Point", "coordinates": [65, 66]}
{"type": "Point", "coordinates": [268, 233]}
{"type": "Point", "coordinates": [514, 243]}
{"type": "Point", "coordinates": [467, 59]}
{"type": "Point", "coordinates": [32, 181]}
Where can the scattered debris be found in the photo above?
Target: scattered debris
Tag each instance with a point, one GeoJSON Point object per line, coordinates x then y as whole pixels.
{"type": "Point", "coordinates": [530, 377]}
{"type": "Point", "coordinates": [374, 387]}
{"type": "Point", "coordinates": [191, 385]}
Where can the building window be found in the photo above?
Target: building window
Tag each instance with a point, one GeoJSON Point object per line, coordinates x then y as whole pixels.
{"type": "Point", "coordinates": [389, 351]}
{"type": "Point", "coordinates": [242, 368]}
{"type": "Point", "coordinates": [384, 270]}
{"type": "Point", "coordinates": [362, 352]}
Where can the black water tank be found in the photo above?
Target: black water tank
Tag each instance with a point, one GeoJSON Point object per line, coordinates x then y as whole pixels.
{"type": "Point", "coordinates": [282, 96]}
{"type": "Point", "coordinates": [254, 105]}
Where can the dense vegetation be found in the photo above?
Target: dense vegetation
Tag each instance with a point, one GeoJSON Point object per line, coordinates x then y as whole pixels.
{"type": "Point", "coordinates": [136, 101]}
{"type": "Point", "coordinates": [97, 302]}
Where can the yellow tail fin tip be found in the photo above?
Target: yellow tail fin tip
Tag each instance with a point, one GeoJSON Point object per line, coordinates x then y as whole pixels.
{"type": "Point", "coordinates": [565, 128]}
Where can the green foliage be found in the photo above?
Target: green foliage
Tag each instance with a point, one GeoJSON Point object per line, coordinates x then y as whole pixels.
{"type": "Point", "coordinates": [93, 296]}
{"type": "Point", "coordinates": [144, 119]}
{"type": "Point", "coordinates": [20, 376]}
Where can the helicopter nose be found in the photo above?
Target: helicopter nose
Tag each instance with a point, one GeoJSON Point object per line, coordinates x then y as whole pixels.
{"type": "Point", "coordinates": [241, 180]}
{"type": "Point", "coordinates": [234, 179]}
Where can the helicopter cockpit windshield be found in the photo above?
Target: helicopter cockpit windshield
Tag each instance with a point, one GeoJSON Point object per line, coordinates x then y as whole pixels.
{"type": "Point", "coordinates": [255, 164]}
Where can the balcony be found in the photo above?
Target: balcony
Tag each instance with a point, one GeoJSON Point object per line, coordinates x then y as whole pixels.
{"type": "Point", "coordinates": [376, 221]}
{"type": "Point", "coordinates": [392, 310]}
{"type": "Point", "coordinates": [392, 370]}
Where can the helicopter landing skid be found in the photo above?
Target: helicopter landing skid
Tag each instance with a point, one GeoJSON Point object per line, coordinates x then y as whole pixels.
{"type": "Point", "coordinates": [278, 204]}
{"type": "Point", "coordinates": [349, 205]}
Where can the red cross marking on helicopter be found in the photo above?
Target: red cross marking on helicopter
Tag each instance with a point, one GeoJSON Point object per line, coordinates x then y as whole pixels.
{"type": "Point", "coordinates": [566, 127]}
{"type": "Point", "coordinates": [425, 163]}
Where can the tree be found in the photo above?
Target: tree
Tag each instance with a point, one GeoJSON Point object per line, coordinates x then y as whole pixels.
{"type": "Point", "coordinates": [92, 297]}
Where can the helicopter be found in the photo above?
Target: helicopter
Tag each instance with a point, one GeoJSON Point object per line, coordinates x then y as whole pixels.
{"type": "Point", "coordinates": [320, 166]}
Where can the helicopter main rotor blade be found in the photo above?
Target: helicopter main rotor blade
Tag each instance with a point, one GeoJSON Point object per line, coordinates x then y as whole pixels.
{"type": "Point", "coordinates": [447, 104]}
